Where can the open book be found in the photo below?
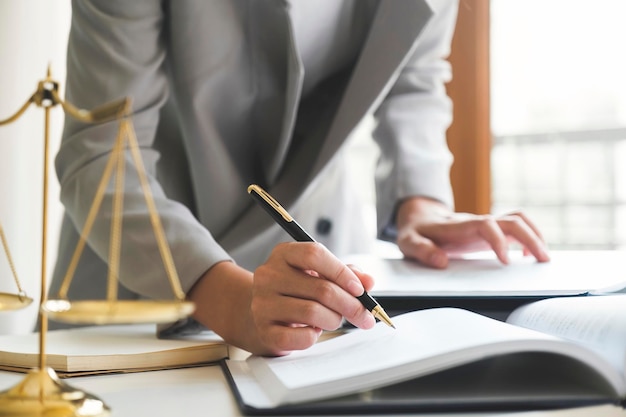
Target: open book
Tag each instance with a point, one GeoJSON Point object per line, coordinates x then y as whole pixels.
{"type": "Point", "coordinates": [557, 352]}
{"type": "Point", "coordinates": [108, 349]}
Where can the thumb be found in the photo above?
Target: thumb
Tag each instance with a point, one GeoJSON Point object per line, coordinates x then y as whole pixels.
{"type": "Point", "coordinates": [423, 250]}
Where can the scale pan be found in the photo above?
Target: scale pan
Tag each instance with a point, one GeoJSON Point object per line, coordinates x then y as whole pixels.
{"type": "Point", "coordinates": [13, 301]}
{"type": "Point", "coordinates": [116, 312]}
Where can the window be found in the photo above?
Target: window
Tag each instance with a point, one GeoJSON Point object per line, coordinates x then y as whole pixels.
{"type": "Point", "coordinates": [558, 118]}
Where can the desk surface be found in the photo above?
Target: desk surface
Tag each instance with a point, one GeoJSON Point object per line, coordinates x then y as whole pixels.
{"type": "Point", "coordinates": [203, 391]}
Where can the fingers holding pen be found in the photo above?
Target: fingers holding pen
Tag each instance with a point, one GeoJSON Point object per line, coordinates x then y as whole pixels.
{"type": "Point", "coordinates": [336, 286]}
{"type": "Point", "coordinates": [301, 299]}
{"type": "Point", "coordinates": [303, 285]}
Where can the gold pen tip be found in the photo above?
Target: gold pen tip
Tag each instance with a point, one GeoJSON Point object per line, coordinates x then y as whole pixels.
{"type": "Point", "coordinates": [380, 314]}
{"type": "Point", "coordinates": [389, 323]}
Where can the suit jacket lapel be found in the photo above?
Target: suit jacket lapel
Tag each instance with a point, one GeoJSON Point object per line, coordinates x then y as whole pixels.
{"type": "Point", "coordinates": [278, 64]}
{"type": "Point", "coordinates": [394, 32]}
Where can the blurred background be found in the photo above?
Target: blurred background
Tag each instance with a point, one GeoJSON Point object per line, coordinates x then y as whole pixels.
{"type": "Point", "coordinates": [33, 35]}
{"type": "Point", "coordinates": [558, 117]}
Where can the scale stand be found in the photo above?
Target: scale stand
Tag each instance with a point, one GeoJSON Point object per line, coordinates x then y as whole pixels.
{"type": "Point", "coordinates": [41, 392]}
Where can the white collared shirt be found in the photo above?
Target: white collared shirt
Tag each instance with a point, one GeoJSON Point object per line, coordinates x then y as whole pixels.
{"type": "Point", "coordinates": [324, 47]}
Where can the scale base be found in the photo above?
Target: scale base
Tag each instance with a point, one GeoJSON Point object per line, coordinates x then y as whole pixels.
{"type": "Point", "coordinates": [42, 393]}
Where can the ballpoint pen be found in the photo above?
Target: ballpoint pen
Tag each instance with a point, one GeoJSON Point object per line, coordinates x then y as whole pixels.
{"type": "Point", "coordinates": [284, 219]}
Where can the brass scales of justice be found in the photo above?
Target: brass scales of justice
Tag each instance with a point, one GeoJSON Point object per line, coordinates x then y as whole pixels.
{"type": "Point", "coordinates": [41, 392]}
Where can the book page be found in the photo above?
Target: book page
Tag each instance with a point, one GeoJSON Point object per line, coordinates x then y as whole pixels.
{"type": "Point", "coordinates": [568, 273]}
{"type": "Point", "coordinates": [598, 322]}
{"type": "Point", "coordinates": [425, 342]}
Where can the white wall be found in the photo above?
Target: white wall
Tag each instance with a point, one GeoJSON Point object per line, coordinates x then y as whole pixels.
{"type": "Point", "coordinates": [33, 34]}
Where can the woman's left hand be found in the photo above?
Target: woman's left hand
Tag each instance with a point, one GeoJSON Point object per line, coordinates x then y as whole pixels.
{"type": "Point", "coordinates": [430, 232]}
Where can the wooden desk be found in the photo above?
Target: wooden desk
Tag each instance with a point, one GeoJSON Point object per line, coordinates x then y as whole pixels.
{"type": "Point", "coordinates": [204, 392]}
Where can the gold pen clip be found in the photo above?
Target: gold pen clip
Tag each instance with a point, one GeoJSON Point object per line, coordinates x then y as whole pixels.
{"type": "Point", "coordinates": [270, 200]}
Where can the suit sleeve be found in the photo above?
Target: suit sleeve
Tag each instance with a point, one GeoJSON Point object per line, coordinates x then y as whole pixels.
{"type": "Point", "coordinates": [116, 49]}
{"type": "Point", "coordinates": [411, 124]}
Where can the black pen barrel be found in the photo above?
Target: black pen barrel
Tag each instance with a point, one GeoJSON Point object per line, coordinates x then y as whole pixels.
{"type": "Point", "coordinates": [296, 231]}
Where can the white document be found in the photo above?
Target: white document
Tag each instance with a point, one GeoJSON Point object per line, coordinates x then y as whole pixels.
{"type": "Point", "coordinates": [568, 273]}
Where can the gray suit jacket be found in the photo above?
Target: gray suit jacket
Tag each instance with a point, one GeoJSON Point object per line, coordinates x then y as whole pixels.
{"type": "Point", "coordinates": [216, 89]}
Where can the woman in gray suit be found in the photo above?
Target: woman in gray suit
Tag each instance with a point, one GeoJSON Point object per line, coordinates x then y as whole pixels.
{"type": "Point", "coordinates": [232, 92]}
